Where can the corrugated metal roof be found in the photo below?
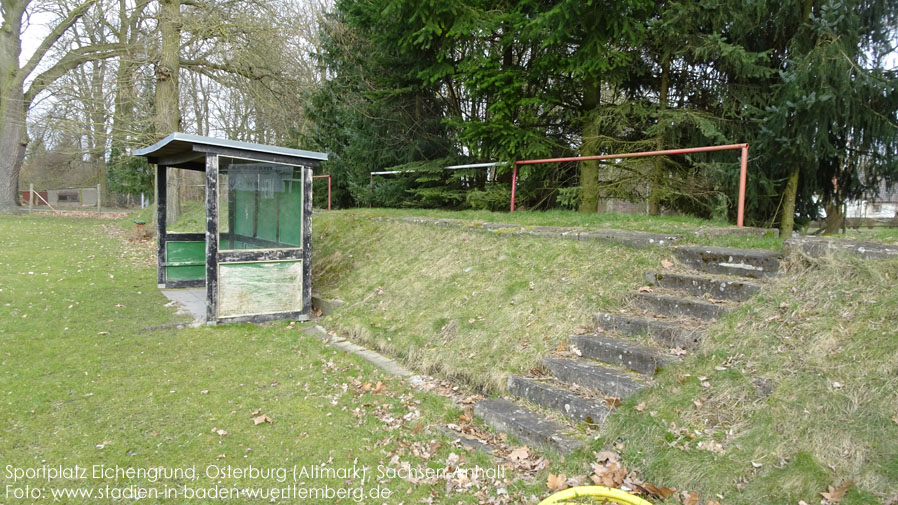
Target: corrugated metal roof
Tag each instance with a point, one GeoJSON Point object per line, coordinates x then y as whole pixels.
{"type": "Point", "coordinates": [178, 142]}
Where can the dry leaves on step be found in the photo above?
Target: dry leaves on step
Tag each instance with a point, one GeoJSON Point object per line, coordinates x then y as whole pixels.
{"type": "Point", "coordinates": [667, 263]}
{"type": "Point", "coordinates": [646, 289]}
{"type": "Point", "coordinates": [612, 402]}
{"type": "Point", "coordinates": [556, 482]}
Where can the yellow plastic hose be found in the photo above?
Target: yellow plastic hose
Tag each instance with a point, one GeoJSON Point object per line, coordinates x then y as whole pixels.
{"type": "Point", "coordinates": [594, 492]}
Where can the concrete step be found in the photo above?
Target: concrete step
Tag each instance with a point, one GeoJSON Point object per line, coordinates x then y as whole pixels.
{"type": "Point", "coordinates": [816, 247]}
{"type": "Point", "coordinates": [754, 263]}
{"type": "Point", "coordinates": [526, 425]}
{"type": "Point", "coordinates": [674, 306]}
{"type": "Point", "coordinates": [617, 352]}
{"type": "Point", "coordinates": [699, 285]}
{"type": "Point", "coordinates": [630, 238]}
{"type": "Point", "coordinates": [665, 333]}
{"type": "Point", "coordinates": [550, 397]}
{"type": "Point", "coordinates": [589, 374]}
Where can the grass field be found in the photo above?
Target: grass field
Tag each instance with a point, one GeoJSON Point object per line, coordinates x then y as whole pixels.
{"type": "Point", "coordinates": [84, 382]}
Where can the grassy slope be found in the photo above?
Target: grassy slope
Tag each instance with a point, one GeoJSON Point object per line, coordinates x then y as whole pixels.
{"type": "Point", "coordinates": [83, 383]}
{"type": "Point", "coordinates": [442, 300]}
{"type": "Point", "coordinates": [467, 305]}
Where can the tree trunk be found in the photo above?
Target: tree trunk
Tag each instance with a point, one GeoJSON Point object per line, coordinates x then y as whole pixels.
{"type": "Point", "coordinates": [13, 140]}
{"type": "Point", "coordinates": [98, 134]}
{"type": "Point", "coordinates": [13, 137]}
{"type": "Point", "coordinates": [589, 170]}
{"type": "Point", "coordinates": [655, 192]}
{"type": "Point", "coordinates": [787, 223]}
{"type": "Point", "coordinates": [835, 216]}
{"type": "Point", "coordinates": [168, 113]}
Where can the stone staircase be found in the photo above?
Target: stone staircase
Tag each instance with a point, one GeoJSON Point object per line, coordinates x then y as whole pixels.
{"type": "Point", "coordinates": [667, 318]}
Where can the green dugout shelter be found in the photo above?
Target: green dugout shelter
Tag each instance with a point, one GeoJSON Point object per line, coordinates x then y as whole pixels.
{"type": "Point", "coordinates": [254, 258]}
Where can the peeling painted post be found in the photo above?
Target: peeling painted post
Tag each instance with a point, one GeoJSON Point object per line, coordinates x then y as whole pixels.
{"type": "Point", "coordinates": [161, 172]}
{"type": "Point", "coordinates": [31, 198]}
{"type": "Point", "coordinates": [99, 203]}
{"type": "Point", "coordinates": [212, 238]}
{"type": "Point", "coordinates": [307, 241]}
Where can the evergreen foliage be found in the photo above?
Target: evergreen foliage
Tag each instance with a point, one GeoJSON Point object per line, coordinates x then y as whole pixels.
{"type": "Point", "coordinates": [129, 175]}
{"type": "Point", "coordinates": [422, 84]}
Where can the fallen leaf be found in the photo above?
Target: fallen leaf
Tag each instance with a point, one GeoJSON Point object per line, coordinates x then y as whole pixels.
{"type": "Point", "coordinates": [667, 263]}
{"type": "Point", "coordinates": [379, 388]}
{"type": "Point", "coordinates": [645, 289]}
{"type": "Point", "coordinates": [219, 432]}
{"type": "Point", "coordinates": [640, 407]}
{"type": "Point", "coordinates": [519, 454]}
{"type": "Point", "coordinates": [612, 402]}
{"type": "Point", "coordinates": [604, 456]}
{"type": "Point", "coordinates": [582, 330]}
{"type": "Point", "coordinates": [556, 482]}
{"type": "Point", "coordinates": [610, 474]}
{"type": "Point", "coordinates": [835, 495]}
{"type": "Point", "coordinates": [262, 419]}
{"type": "Point", "coordinates": [691, 499]}
{"type": "Point", "coordinates": [659, 492]}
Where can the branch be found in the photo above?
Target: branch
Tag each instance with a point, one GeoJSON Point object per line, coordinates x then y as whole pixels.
{"type": "Point", "coordinates": [203, 66]}
{"type": "Point", "coordinates": [52, 37]}
{"type": "Point", "coordinates": [68, 62]}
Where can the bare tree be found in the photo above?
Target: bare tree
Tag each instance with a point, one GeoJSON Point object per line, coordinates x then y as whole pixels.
{"type": "Point", "coordinates": [16, 97]}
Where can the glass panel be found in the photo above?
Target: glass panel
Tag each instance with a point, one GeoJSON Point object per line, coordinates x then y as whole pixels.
{"type": "Point", "coordinates": [260, 204]}
{"type": "Point", "coordinates": [191, 185]}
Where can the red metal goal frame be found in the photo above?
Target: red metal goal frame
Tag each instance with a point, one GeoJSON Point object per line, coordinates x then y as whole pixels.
{"type": "Point", "coordinates": [328, 188]}
{"type": "Point", "coordinates": [743, 167]}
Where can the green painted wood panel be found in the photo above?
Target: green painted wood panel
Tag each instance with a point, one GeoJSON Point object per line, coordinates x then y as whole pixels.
{"type": "Point", "coordinates": [185, 261]}
{"type": "Point", "coordinates": [248, 289]}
